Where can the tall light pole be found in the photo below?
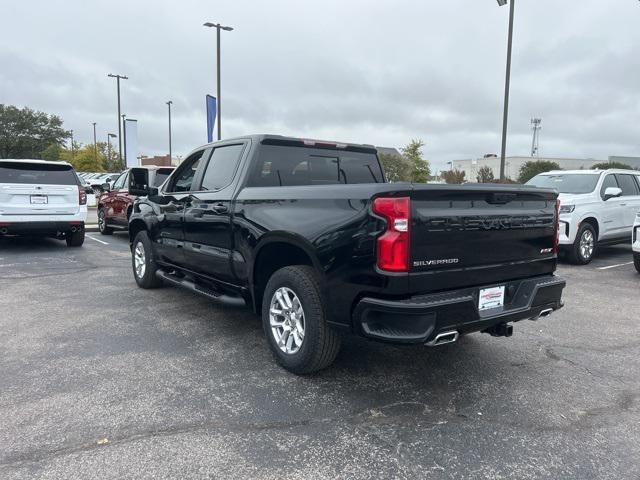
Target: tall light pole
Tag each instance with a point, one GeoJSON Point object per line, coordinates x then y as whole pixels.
{"type": "Point", "coordinates": [505, 116]}
{"type": "Point", "coordinates": [95, 143]}
{"type": "Point", "coordinates": [71, 144]}
{"type": "Point", "coordinates": [118, 77]}
{"type": "Point", "coordinates": [169, 105]}
{"type": "Point", "coordinates": [218, 27]}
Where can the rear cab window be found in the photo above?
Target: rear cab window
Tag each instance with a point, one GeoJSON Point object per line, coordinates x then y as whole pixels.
{"type": "Point", "coordinates": [297, 165]}
{"type": "Point", "coordinates": [37, 173]}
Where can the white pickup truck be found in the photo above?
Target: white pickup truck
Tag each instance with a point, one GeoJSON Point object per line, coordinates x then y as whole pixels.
{"type": "Point", "coordinates": [40, 198]}
{"type": "Point", "coordinates": [598, 207]}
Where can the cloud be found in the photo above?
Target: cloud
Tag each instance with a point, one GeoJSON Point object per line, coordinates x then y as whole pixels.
{"type": "Point", "coordinates": [372, 72]}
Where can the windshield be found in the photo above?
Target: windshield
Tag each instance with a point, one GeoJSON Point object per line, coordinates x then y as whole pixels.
{"type": "Point", "coordinates": [566, 182]}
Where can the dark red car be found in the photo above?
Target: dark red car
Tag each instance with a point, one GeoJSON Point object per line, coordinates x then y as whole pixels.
{"type": "Point", "coordinates": [115, 204]}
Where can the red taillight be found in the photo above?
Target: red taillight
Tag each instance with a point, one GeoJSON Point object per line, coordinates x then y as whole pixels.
{"type": "Point", "coordinates": [556, 239]}
{"type": "Point", "coordinates": [394, 245]}
{"type": "Point", "coordinates": [82, 196]}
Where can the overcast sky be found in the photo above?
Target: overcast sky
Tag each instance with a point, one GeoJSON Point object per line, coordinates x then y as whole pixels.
{"type": "Point", "coordinates": [380, 72]}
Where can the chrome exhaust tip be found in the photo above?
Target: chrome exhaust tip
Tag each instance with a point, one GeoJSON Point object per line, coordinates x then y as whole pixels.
{"type": "Point", "coordinates": [444, 338]}
{"type": "Point", "coordinates": [544, 313]}
{"type": "Point", "coordinates": [3, 231]}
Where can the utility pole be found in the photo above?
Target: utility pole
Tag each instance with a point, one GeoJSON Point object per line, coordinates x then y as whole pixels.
{"type": "Point", "coordinates": [507, 83]}
{"type": "Point", "coordinates": [118, 77]}
{"type": "Point", "coordinates": [95, 143]}
{"type": "Point", "coordinates": [169, 105]}
{"type": "Point", "coordinates": [72, 155]}
{"type": "Point", "coordinates": [218, 27]}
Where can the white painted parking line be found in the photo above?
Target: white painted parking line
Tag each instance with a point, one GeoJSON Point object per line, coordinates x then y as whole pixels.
{"type": "Point", "coordinates": [96, 240]}
{"type": "Point", "coordinates": [615, 266]}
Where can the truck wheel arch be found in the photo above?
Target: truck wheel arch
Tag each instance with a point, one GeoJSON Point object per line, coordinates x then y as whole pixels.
{"type": "Point", "coordinates": [274, 253]}
{"type": "Point", "coordinates": [137, 225]}
{"type": "Point", "coordinates": [593, 221]}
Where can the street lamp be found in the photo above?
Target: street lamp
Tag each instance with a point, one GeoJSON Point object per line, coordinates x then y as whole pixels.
{"type": "Point", "coordinates": [505, 116]}
{"type": "Point", "coordinates": [218, 27]}
{"type": "Point", "coordinates": [118, 77]}
{"type": "Point", "coordinates": [109, 137]}
{"type": "Point", "coordinates": [169, 105]}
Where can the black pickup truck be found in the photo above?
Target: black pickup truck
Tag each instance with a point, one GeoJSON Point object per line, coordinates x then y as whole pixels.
{"type": "Point", "coordinates": [311, 237]}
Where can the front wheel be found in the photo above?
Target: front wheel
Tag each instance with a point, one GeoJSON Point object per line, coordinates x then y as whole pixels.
{"type": "Point", "coordinates": [294, 321]}
{"type": "Point", "coordinates": [636, 261]}
{"type": "Point", "coordinates": [584, 246]}
{"type": "Point", "coordinates": [143, 263]}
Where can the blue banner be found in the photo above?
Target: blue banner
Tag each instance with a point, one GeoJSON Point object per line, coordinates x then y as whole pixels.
{"type": "Point", "coordinates": [211, 117]}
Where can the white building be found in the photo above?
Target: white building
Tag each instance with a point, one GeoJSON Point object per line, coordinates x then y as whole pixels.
{"type": "Point", "coordinates": [513, 165]}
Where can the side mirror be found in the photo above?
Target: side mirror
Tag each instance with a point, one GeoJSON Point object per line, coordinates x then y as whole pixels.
{"type": "Point", "coordinates": [612, 192]}
{"type": "Point", "coordinates": [106, 187]}
{"type": "Point", "coordinates": [88, 190]}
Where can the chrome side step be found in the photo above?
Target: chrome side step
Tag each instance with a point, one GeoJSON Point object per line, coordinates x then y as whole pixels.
{"type": "Point", "coordinates": [444, 338]}
{"type": "Point", "coordinates": [194, 287]}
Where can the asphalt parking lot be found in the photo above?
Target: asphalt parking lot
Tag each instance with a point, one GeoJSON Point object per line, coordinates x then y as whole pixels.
{"type": "Point", "coordinates": [103, 380]}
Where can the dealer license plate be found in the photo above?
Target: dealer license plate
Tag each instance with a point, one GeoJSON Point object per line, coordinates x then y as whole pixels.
{"type": "Point", "coordinates": [491, 298]}
{"type": "Point", "coordinates": [39, 199]}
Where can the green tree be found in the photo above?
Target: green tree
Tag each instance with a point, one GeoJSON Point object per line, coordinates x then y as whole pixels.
{"type": "Point", "coordinates": [485, 175]}
{"type": "Point", "coordinates": [608, 165]}
{"type": "Point", "coordinates": [453, 176]}
{"type": "Point", "coordinates": [53, 152]}
{"type": "Point", "coordinates": [26, 133]}
{"type": "Point", "coordinates": [396, 167]}
{"type": "Point", "coordinates": [84, 158]}
{"type": "Point", "coordinates": [420, 171]}
{"type": "Point", "coordinates": [533, 168]}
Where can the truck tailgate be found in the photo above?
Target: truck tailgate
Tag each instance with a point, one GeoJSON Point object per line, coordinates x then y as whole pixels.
{"type": "Point", "coordinates": [480, 235]}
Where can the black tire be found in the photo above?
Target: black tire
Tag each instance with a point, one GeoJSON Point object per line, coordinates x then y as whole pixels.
{"type": "Point", "coordinates": [75, 239]}
{"type": "Point", "coordinates": [320, 344]}
{"type": "Point", "coordinates": [102, 223]}
{"type": "Point", "coordinates": [636, 261]}
{"type": "Point", "coordinates": [578, 255]}
{"type": "Point", "coordinates": [148, 278]}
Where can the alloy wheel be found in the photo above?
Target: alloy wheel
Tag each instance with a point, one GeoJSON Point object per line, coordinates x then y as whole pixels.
{"type": "Point", "coordinates": [286, 318]}
{"type": "Point", "coordinates": [139, 260]}
{"type": "Point", "coordinates": [101, 221]}
{"type": "Point", "coordinates": [587, 244]}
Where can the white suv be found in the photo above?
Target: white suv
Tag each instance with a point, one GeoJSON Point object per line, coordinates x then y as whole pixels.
{"type": "Point", "coordinates": [598, 207]}
{"type": "Point", "coordinates": [42, 198]}
{"type": "Point", "coordinates": [636, 242]}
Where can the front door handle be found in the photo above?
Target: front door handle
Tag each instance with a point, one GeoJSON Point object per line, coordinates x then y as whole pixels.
{"type": "Point", "coordinates": [220, 208]}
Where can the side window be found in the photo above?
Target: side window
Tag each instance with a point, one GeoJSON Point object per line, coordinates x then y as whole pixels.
{"type": "Point", "coordinates": [628, 185]}
{"type": "Point", "coordinates": [221, 167]}
{"type": "Point", "coordinates": [119, 183]}
{"type": "Point", "coordinates": [183, 179]}
{"type": "Point", "coordinates": [609, 181]}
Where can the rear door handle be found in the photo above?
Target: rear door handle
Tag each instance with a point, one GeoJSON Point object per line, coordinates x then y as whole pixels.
{"type": "Point", "coordinates": [220, 208]}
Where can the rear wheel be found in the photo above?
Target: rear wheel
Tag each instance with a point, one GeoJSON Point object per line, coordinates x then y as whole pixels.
{"type": "Point", "coordinates": [294, 321]}
{"type": "Point", "coordinates": [143, 263]}
{"type": "Point", "coordinates": [102, 223]}
{"type": "Point", "coordinates": [75, 239]}
{"type": "Point", "coordinates": [636, 261]}
{"type": "Point", "coordinates": [584, 246]}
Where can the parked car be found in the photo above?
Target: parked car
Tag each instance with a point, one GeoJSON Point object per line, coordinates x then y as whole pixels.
{"type": "Point", "coordinates": [310, 236]}
{"type": "Point", "coordinates": [636, 242]}
{"type": "Point", "coordinates": [116, 203]}
{"type": "Point", "coordinates": [41, 198]}
{"type": "Point", "coordinates": [598, 207]}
